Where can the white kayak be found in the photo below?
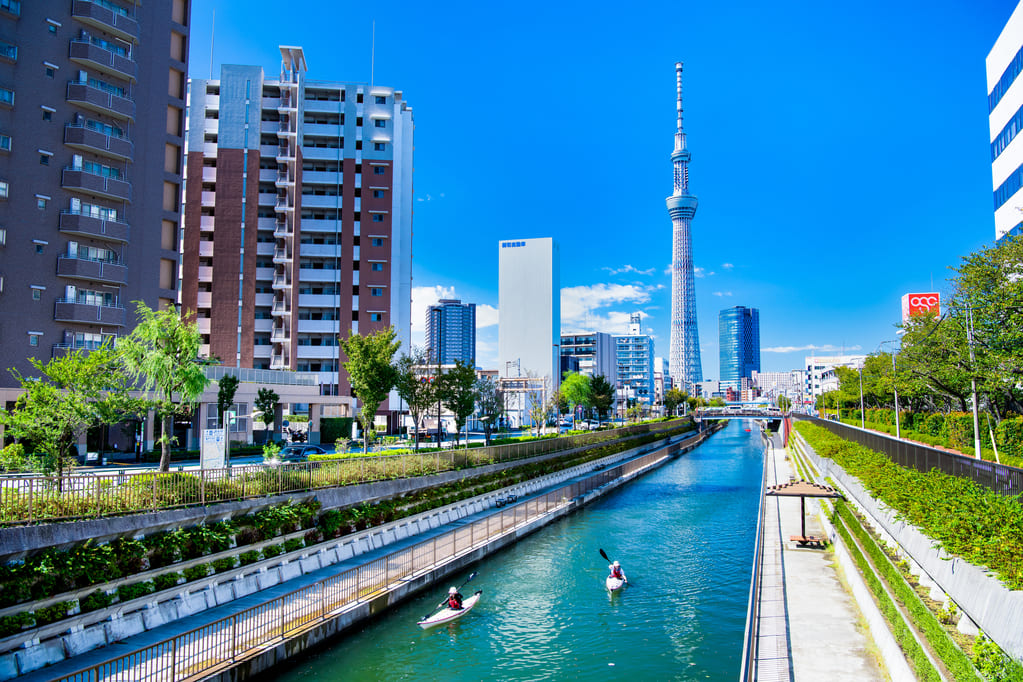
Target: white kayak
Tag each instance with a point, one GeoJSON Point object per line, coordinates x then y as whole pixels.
{"type": "Point", "coordinates": [446, 615]}
{"type": "Point", "coordinates": [614, 584]}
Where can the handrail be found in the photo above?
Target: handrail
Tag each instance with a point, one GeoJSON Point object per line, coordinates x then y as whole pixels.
{"type": "Point", "coordinates": [749, 642]}
{"type": "Point", "coordinates": [223, 643]}
{"type": "Point", "coordinates": [30, 499]}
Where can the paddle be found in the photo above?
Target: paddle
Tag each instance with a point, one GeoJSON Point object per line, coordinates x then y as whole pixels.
{"type": "Point", "coordinates": [441, 605]}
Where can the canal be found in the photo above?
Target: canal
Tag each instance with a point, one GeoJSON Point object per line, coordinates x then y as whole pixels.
{"type": "Point", "coordinates": [684, 534]}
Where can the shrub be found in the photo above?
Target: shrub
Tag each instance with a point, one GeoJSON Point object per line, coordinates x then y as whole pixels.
{"type": "Point", "coordinates": [934, 424]}
{"type": "Point", "coordinates": [271, 551]}
{"type": "Point", "coordinates": [224, 564]}
{"type": "Point", "coordinates": [165, 581]}
{"type": "Point", "coordinates": [197, 572]}
{"type": "Point", "coordinates": [165, 548]}
{"type": "Point", "coordinates": [293, 544]}
{"type": "Point", "coordinates": [332, 428]}
{"type": "Point", "coordinates": [1009, 436]}
{"type": "Point", "coordinates": [249, 557]}
{"type": "Point", "coordinates": [53, 613]}
{"type": "Point", "coordinates": [15, 623]}
{"type": "Point", "coordinates": [96, 600]}
{"type": "Point", "coordinates": [130, 555]}
{"type": "Point", "coordinates": [135, 590]}
{"type": "Point", "coordinates": [12, 458]}
{"type": "Point", "coordinates": [333, 523]}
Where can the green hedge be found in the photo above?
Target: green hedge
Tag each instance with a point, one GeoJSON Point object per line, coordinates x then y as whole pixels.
{"type": "Point", "coordinates": [332, 428]}
{"type": "Point", "coordinates": [1009, 436]}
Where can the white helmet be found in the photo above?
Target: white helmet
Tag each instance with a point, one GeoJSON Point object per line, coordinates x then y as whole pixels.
{"type": "Point", "coordinates": [453, 590]}
{"type": "Point", "coordinates": [616, 564]}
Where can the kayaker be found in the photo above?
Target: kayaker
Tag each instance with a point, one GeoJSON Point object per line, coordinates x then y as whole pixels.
{"type": "Point", "coordinates": [616, 571]}
{"type": "Point", "coordinates": [454, 599]}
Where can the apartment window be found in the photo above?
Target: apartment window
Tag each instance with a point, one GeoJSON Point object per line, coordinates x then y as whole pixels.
{"type": "Point", "coordinates": [378, 218]}
{"type": "Point", "coordinates": [7, 96]}
{"type": "Point", "coordinates": [378, 194]}
{"type": "Point", "coordinates": [37, 294]}
{"type": "Point", "coordinates": [358, 119]}
{"type": "Point", "coordinates": [5, 143]}
{"type": "Point", "coordinates": [376, 291]}
{"type": "Point", "coordinates": [52, 25]}
{"type": "Point", "coordinates": [41, 201]}
{"type": "Point", "coordinates": [44, 158]}
{"type": "Point", "coordinates": [376, 317]}
{"type": "Point", "coordinates": [33, 339]}
{"type": "Point", "coordinates": [47, 114]}
{"type": "Point", "coordinates": [378, 170]}
{"type": "Point", "coordinates": [376, 267]}
{"type": "Point", "coordinates": [78, 207]}
{"type": "Point", "coordinates": [379, 146]}
{"type": "Point", "coordinates": [380, 99]}
{"type": "Point", "coordinates": [3, 189]}
{"type": "Point", "coordinates": [8, 51]}
{"type": "Point", "coordinates": [380, 123]}
{"type": "Point", "coordinates": [39, 244]}
{"type": "Point", "coordinates": [377, 241]}
{"type": "Point", "coordinates": [358, 98]}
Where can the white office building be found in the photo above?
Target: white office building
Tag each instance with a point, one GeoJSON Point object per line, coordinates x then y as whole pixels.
{"type": "Point", "coordinates": [529, 302]}
{"type": "Point", "coordinates": [818, 367]}
{"type": "Point", "coordinates": [1005, 119]}
{"type": "Point", "coordinates": [774, 384]}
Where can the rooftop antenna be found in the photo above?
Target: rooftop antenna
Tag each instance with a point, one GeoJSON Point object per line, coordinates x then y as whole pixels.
{"type": "Point", "coordinates": [213, 34]}
{"type": "Point", "coordinates": [372, 53]}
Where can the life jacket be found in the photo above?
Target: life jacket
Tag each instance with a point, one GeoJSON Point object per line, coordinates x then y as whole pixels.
{"type": "Point", "coordinates": [616, 572]}
{"type": "Point", "coordinates": [455, 601]}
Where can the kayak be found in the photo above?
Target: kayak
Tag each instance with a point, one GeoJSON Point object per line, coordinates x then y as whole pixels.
{"type": "Point", "coordinates": [615, 584]}
{"type": "Point", "coordinates": [446, 615]}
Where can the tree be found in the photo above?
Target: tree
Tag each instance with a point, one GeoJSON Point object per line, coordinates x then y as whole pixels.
{"type": "Point", "coordinates": [783, 403]}
{"type": "Point", "coordinates": [456, 389]}
{"type": "Point", "coordinates": [72, 393]}
{"type": "Point", "coordinates": [673, 397]}
{"type": "Point", "coordinates": [266, 402]}
{"type": "Point", "coordinates": [226, 388]}
{"type": "Point", "coordinates": [370, 372]}
{"type": "Point", "coordinates": [602, 395]}
{"type": "Point", "coordinates": [489, 404]}
{"type": "Point", "coordinates": [162, 356]}
{"type": "Point", "coordinates": [576, 389]}
{"type": "Point", "coordinates": [414, 386]}
{"type": "Point", "coordinates": [539, 405]}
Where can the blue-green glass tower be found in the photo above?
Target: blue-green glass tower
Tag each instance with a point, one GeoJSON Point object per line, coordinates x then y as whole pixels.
{"type": "Point", "coordinates": [739, 343]}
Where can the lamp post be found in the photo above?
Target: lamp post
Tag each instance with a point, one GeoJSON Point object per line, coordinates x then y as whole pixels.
{"type": "Point", "coordinates": [973, 382]}
{"type": "Point", "coordinates": [863, 419]}
{"type": "Point", "coordinates": [895, 389]}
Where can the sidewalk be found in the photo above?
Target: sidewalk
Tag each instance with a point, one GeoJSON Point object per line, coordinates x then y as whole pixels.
{"type": "Point", "coordinates": [825, 633]}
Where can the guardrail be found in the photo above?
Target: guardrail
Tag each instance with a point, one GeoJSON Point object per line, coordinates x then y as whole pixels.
{"type": "Point", "coordinates": [1000, 478]}
{"type": "Point", "coordinates": [223, 643]}
{"type": "Point", "coordinates": [749, 642]}
{"type": "Point", "coordinates": [29, 499]}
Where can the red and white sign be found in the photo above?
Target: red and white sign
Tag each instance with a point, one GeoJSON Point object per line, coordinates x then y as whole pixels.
{"type": "Point", "coordinates": [918, 304]}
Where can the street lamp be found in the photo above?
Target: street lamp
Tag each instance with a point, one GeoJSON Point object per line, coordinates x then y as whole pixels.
{"type": "Point", "coordinates": [863, 419]}
{"type": "Point", "coordinates": [973, 382]}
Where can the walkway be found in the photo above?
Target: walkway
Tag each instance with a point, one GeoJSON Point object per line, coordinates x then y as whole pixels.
{"type": "Point", "coordinates": [817, 633]}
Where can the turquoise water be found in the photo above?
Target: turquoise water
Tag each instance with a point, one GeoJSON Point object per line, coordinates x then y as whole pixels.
{"type": "Point", "coordinates": [684, 534]}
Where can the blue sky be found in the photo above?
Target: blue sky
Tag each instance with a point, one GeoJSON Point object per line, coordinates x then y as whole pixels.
{"type": "Point", "coordinates": [840, 151]}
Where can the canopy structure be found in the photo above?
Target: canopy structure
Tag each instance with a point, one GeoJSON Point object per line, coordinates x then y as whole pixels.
{"type": "Point", "coordinates": [802, 490]}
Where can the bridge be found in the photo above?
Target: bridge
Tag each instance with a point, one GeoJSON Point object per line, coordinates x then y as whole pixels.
{"type": "Point", "coordinates": [737, 412]}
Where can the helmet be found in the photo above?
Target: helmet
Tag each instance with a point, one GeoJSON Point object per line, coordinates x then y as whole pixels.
{"type": "Point", "coordinates": [616, 564]}
{"type": "Point", "coordinates": [453, 590]}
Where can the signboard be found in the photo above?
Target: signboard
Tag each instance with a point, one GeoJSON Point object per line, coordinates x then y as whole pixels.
{"type": "Point", "coordinates": [918, 304]}
{"type": "Point", "coordinates": [211, 450]}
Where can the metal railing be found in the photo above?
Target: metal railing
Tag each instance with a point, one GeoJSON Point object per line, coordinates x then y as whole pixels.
{"type": "Point", "coordinates": [225, 642]}
{"type": "Point", "coordinates": [749, 643]}
{"type": "Point", "coordinates": [1000, 478]}
{"type": "Point", "coordinates": [29, 499]}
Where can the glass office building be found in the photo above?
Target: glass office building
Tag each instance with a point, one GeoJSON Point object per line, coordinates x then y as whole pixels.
{"type": "Point", "coordinates": [739, 343]}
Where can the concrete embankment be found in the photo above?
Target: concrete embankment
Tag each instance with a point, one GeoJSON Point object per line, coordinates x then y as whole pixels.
{"type": "Point", "coordinates": [378, 550]}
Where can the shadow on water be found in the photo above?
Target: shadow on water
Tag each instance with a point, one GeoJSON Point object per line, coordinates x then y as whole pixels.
{"type": "Point", "coordinates": [684, 534]}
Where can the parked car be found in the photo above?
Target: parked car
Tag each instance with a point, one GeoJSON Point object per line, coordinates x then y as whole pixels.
{"type": "Point", "coordinates": [299, 453]}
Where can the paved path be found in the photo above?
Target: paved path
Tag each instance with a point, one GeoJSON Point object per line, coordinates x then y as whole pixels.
{"type": "Point", "coordinates": [826, 640]}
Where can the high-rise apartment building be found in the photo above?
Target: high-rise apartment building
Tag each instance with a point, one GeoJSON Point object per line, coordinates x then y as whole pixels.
{"type": "Point", "coordinates": [451, 332]}
{"type": "Point", "coordinates": [738, 344]}
{"type": "Point", "coordinates": [684, 345]}
{"type": "Point", "coordinates": [662, 379]}
{"type": "Point", "coordinates": [818, 368]}
{"type": "Point", "coordinates": [596, 353]}
{"type": "Point", "coordinates": [1005, 119]}
{"type": "Point", "coordinates": [92, 108]}
{"type": "Point", "coordinates": [298, 217]}
{"type": "Point", "coordinates": [635, 352]}
{"type": "Point", "coordinates": [529, 301]}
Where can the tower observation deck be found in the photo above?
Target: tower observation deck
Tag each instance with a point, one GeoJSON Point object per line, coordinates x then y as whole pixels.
{"type": "Point", "coordinates": [684, 353]}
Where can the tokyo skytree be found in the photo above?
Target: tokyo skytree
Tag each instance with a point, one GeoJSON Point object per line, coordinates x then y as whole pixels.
{"type": "Point", "coordinates": [684, 353]}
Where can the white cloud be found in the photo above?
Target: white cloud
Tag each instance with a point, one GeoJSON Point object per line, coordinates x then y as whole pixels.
{"type": "Point", "coordinates": [727, 266]}
{"type": "Point", "coordinates": [826, 348]}
{"type": "Point", "coordinates": [629, 268]}
{"type": "Point", "coordinates": [582, 306]}
{"type": "Point", "coordinates": [486, 315]}
{"type": "Point", "coordinates": [423, 298]}
{"type": "Point", "coordinates": [722, 293]}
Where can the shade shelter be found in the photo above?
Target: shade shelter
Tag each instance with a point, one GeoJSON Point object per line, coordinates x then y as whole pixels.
{"type": "Point", "coordinates": [803, 490]}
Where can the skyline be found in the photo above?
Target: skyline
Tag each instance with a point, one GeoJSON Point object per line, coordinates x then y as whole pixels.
{"type": "Point", "coordinates": [830, 131]}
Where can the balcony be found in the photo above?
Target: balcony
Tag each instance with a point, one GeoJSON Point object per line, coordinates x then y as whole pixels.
{"type": "Point", "coordinates": [279, 360]}
{"type": "Point", "coordinates": [285, 153]}
{"type": "Point", "coordinates": [101, 59]}
{"type": "Point", "coordinates": [82, 225]}
{"type": "Point", "coordinates": [282, 255]}
{"type": "Point", "coordinates": [281, 307]}
{"type": "Point", "coordinates": [282, 179]}
{"type": "Point", "coordinates": [87, 139]}
{"type": "Point", "coordinates": [282, 205]}
{"type": "Point", "coordinates": [97, 16]}
{"type": "Point", "coordinates": [94, 270]}
{"type": "Point", "coordinates": [279, 335]}
{"type": "Point", "coordinates": [282, 281]}
{"type": "Point", "coordinates": [101, 101]}
{"type": "Point", "coordinates": [100, 185]}
{"type": "Point", "coordinates": [282, 229]}
{"type": "Point", "coordinates": [70, 311]}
